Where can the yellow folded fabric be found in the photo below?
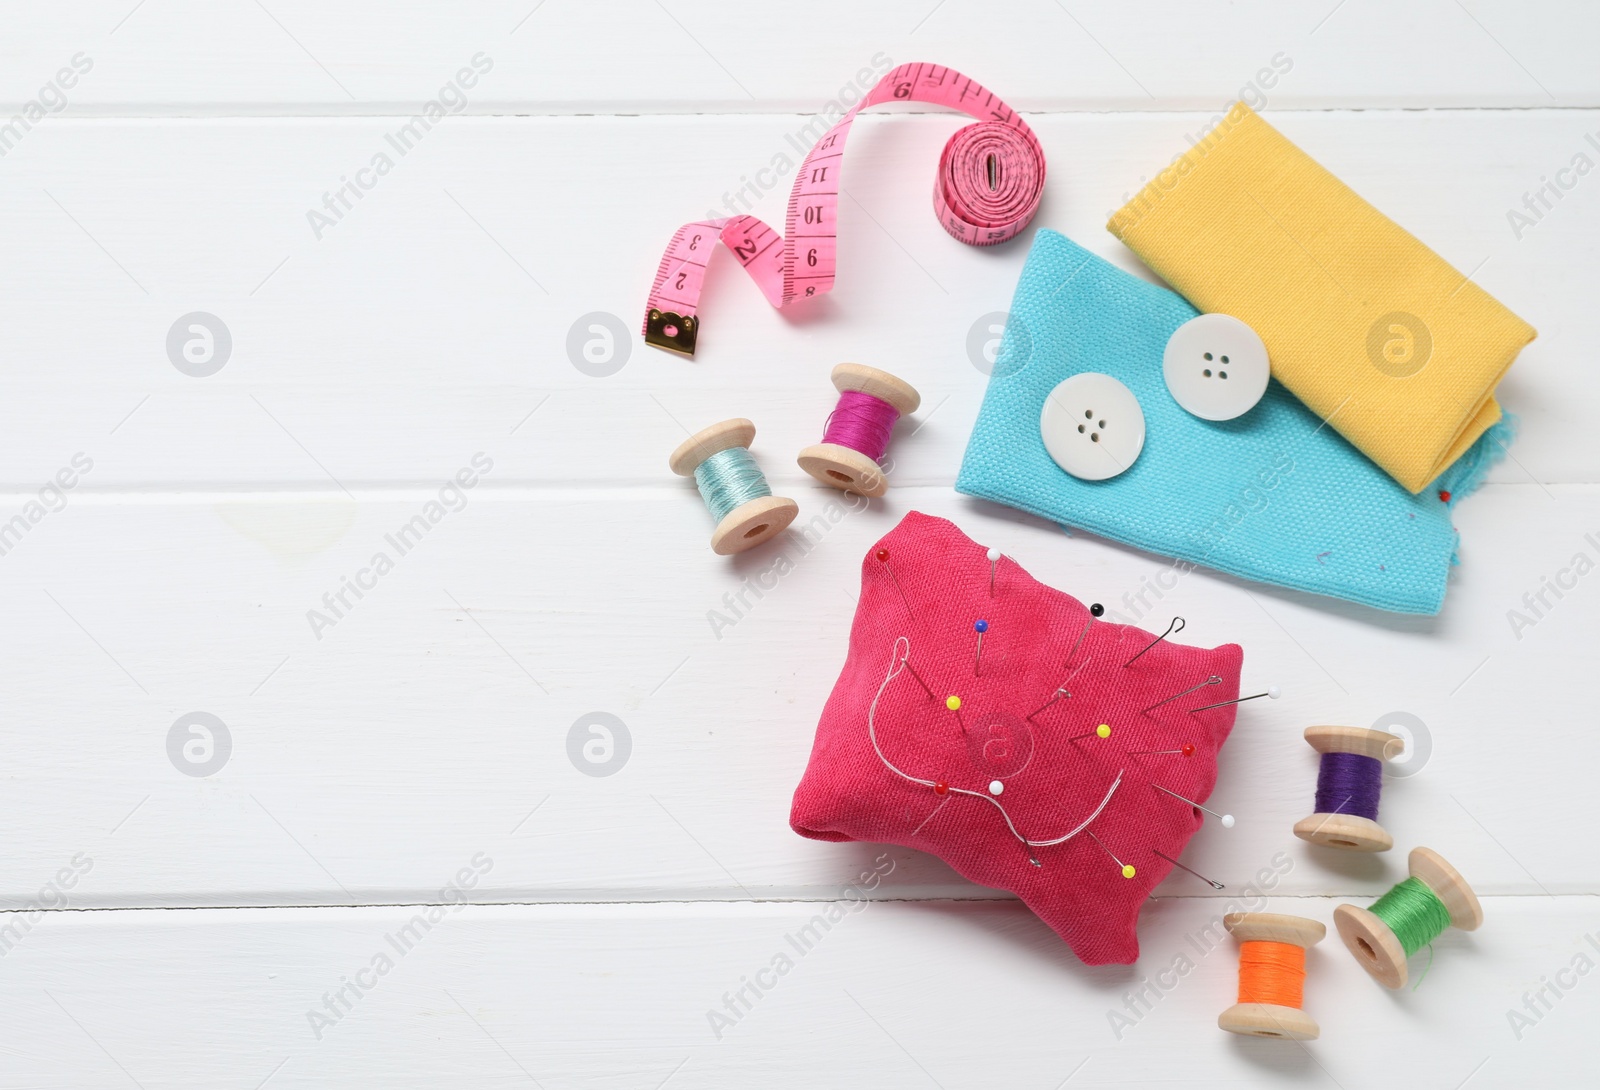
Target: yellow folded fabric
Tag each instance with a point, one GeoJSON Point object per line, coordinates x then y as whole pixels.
{"type": "Point", "coordinates": [1375, 332]}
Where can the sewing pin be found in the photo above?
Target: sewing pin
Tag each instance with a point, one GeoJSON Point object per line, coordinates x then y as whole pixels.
{"type": "Point", "coordinates": [1095, 610]}
{"type": "Point", "coordinates": [1187, 750]}
{"type": "Point", "coordinates": [1177, 625]}
{"type": "Point", "coordinates": [1102, 731]}
{"type": "Point", "coordinates": [1059, 693]}
{"type": "Point", "coordinates": [907, 663]}
{"type": "Point", "coordinates": [1212, 680]}
{"type": "Point", "coordinates": [994, 558]}
{"type": "Point", "coordinates": [953, 702]}
{"type": "Point", "coordinates": [981, 627]}
{"type": "Point", "coordinates": [1127, 868]}
{"type": "Point", "coordinates": [883, 558]}
{"type": "Point", "coordinates": [1226, 819]}
{"type": "Point", "coordinates": [1272, 691]}
{"type": "Point", "coordinates": [1191, 870]}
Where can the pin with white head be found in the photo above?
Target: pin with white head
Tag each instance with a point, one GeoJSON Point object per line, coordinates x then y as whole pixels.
{"type": "Point", "coordinates": [1226, 819]}
{"type": "Point", "coordinates": [1273, 693]}
{"type": "Point", "coordinates": [994, 559]}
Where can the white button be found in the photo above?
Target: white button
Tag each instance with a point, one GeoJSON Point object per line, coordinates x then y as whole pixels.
{"type": "Point", "coordinates": [1216, 367]}
{"type": "Point", "coordinates": [1092, 426]}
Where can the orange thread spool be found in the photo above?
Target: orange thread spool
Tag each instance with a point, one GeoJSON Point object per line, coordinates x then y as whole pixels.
{"type": "Point", "coordinates": [1272, 972]}
{"type": "Point", "coordinates": [1272, 975]}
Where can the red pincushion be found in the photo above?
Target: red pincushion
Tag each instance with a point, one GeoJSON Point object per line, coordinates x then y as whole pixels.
{"type": "Point", "coordinates": [1050, 785]}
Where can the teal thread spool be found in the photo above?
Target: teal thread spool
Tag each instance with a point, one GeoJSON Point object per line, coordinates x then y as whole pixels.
{"type": "Point", "coordinates": [1408, 917]}
{"type": "Point", "coordinates": [732, 486]}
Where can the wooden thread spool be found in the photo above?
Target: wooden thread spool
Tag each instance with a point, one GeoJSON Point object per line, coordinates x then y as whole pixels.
{"type": "Point", "coordinates": [1373, 942]}
{"type": "Point", "coordinates": [1349, 832]}
{"type": "Point", "coordinates": [1281, 1020]}
{"type": "Point", "coordinates": [755, 520]}
{"type": "Point", "coordinates": [845, 467]}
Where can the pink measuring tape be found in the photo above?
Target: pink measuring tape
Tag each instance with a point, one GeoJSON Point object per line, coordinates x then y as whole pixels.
{"type": "Point", "coordinates": [990, 179]}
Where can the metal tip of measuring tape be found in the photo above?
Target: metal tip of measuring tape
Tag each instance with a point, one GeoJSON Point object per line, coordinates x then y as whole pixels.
{"type": "Point", "coordinates": [672, 331]}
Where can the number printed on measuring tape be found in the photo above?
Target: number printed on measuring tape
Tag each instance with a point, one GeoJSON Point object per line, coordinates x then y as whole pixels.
{"type": "Point", "coordinates": [989, 182]}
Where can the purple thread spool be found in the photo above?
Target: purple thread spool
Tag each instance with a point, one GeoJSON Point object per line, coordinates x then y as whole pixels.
{"type": "Point", "coordinates": [857, 432]}
{"type": "Point", "coordinates": [1349, 783]}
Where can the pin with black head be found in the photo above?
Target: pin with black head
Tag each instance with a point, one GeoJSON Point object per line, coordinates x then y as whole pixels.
{"type": "Point", "coordinates": [1096, 610]}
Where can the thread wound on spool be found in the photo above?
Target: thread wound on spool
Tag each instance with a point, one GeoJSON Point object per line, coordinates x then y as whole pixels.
{"type": "Point", "coordinates": [1414, 913]}
{"type": "Point", "coordinates": [1272, 972]}
{"type": "Point", "coordinates": [1349, 783]}
{"type": "Point", "coordinates": [729, 478]}
{"type": "Point", "coordinates": [861, 422]}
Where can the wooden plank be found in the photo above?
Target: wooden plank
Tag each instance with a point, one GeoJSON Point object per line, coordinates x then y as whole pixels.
{"type": "Point", "coordinates": [296, 56]}
{"type": "Point", "coordinates": [443, 307]}
{"type": "Point", "coordinates": [895, 995]}
{"type": "Point", "coordinates": [381, 740]}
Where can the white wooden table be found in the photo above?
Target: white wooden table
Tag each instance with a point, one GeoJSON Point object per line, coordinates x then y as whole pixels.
{"type": "Point", "coordinates": [244, 911]}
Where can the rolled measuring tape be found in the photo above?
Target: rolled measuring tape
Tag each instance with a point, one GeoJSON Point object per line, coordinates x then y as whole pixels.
{"type": "Point", "coordinates": [1407, 918]}
{"type": "Point", "coordinates": [988, 186]}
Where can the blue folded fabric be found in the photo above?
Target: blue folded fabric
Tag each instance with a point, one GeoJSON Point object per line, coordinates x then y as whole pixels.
{"type": "Point", "coordinates": [1274, 495]}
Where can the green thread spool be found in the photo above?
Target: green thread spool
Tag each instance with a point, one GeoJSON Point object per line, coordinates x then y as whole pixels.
{"type": "Point", "coordinates": [732, 486]}
{"type": "Point", "coordinates": [1408, 917]}
{"type": "Point", "coordinates": [1413, 913]}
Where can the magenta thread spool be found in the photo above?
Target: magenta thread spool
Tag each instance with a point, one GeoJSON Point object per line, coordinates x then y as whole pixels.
{"type": "Point", "coordinates": [1349, 783]}
{"type": "Point", "coordinates": [856, 435]}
